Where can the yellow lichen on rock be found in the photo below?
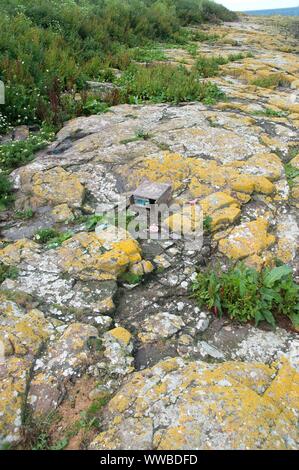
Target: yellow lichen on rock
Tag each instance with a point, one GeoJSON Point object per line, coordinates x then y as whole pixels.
{"type": "Point", "coordinates": [268, 165]}
{"type": "Point", "coordinates": [62, 213]}
{"type": "Point", "coordinates": [250, 403]}
{"type": "Point", "coordinates": [121, 334]}
{"type": "Point", "coordinates": [247, 239]}
{"type": "Point", "coordinates": [187, 221]}
{"type": "Point", "coordinates": [263, 185]}
{"type": "Point", "coordinates": [57, 186]}
{"type": "Point", "coordinates": [18, 251]}
{"type": "Point", "coordinates": [88, 256]}
{"type": "Point", "coordinates": [295, 191]}
{"type": "Point", "coordinates": [243, 184]}
{"type": "Point", "coordinates": [171, 168]}
{"type": "Point", "coordinates": [23, 334]}
{"type": "Point", "coordinates": [225, 216]}
{"type": "Point", "coordinates": [217, 201]}
{"type": "Point", "coordinates": [13, 373]}
{"type": "Point", "coordinates": [130, 248]}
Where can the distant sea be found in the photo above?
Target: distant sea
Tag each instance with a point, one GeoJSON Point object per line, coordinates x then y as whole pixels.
{"type": "Point", "coordinates": [280, 11]}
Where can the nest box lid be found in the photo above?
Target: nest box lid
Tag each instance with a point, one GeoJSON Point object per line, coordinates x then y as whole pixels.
{"type": "Point", "coordinates": [151, 190]}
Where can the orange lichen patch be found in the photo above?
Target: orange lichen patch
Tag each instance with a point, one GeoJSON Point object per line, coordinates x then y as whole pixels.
{"type": "Point", "coordinates": [19, 251]}
{"type": "Point", "coordinates": [217, 201]}
{"type": "Point", "coordinates": [57, 186]}
{"type": "Point", "coordinates": [247, 239]}
{"type": "Point", "coordinates": [12, 388]}
{"type": "Point", "coordinates": [225, 216]}
{"type": "Point", "coordinates": [121, 334]}
{"type": "Point", "coordinates": [23, 334]}
{"type": "Point", "coordinates": [130, 248]}
{"type": "Point", "coordinates": [268, 165]}
{"type": "Point", "coordinates": [87, 256]}
{"type": "Point", "coordinates": [172, 168]}
{"type": "Point", "coordinates": [205, 406]}
{"type": "Point", "coordinates": [243, 184]}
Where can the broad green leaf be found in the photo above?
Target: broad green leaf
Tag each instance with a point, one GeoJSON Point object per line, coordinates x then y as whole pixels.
{"type": "Point", "coordinates": [269, 317]}
{"type": "Point", "coordinates": [276, 274]}
{"type": "Point", "coordinates": [295, 319]}
{"type": "Point", "coordinates": [258, 318]}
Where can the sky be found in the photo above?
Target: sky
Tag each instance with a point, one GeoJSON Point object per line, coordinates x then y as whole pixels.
{"type": "Point", "coordinates": [243, 5]}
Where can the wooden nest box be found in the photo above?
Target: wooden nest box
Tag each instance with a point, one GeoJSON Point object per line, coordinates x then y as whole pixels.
{"type": "Point", "coordinates": [150, 193]}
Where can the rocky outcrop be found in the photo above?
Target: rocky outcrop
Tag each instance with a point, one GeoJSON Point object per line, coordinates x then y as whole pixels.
{"type": "Point", "coordinates": [179, 405]}
{"type": "Point", "coordinates": [103, 306]}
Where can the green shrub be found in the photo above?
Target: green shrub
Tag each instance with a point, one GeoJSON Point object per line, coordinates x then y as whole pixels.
{"type": "Point", "coordinates": [161, 83]}
{"type": "Point", "coordinates": [202, 36]}
{"type": "Point", "coordinates": [51, 238]}
{"type": "Point", "coordinates": [291, 173]}
{"type": "Point", "coordinates": [209, 66]}
{"type": "Point", "coordinates": [94, 106]}
{"type": "Point", "coordinates": [245, 294]}
{"type": "Point", "coordinates": [198, 11]}
{"type": "Point", "coordinates": [148, 54]}
{"type": "Point", "coordinates": [268, 82]}
{"type": "Point", "coordinates": [7, 272]}
{"type": "Point", "coordinates": [271, 113]}
{"type": "Point", "coordinates": [24, 215]}
{"type": "Point", "coordinates": [131, 279]}
{"type": "Point", "coordinates": [18, 153]}
{"type": "Point", "coordinates": [48, 48]}
{"type": "Point", "coordinates": [92, 221]}
{"type": "Point", "coordinates": [6, 193]}
{"type": "Point", "coordinates": [207, 224]}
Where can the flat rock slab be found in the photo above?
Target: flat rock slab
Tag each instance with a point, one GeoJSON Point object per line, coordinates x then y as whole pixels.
{"type": "Point", "coordinates": [193, 405]}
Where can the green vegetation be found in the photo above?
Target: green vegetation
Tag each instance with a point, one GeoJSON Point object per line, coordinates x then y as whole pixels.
{"type": "Point", "coordinates": [209, 66]}
{"type": "Point", "coordinates": [18, 153]}
{"type": "Point", "coordinates": [37, 432]}
{"type": "Point", "coordinates": [202, 36]}
{"type": "Point", "coordinates": [6, 196]}
{"type": "Point", "coordinates": [291, 173]}
{"type": "Point", "coordinates": [207, 224]}
{"type": "Point", "coordinates": [131, 279]}
{"type": "Point", "coordinates": [245, 294]}
{"type": "Point", "coordinates": [51, 238]}
{"type": "Point", "coordinates": [268, 82]}
{"type": "Point", "coordinates": [48, 49]}
{"type": "Point", "coordinates": [139, 135]}
{"type": "Point", "coordinates": [24, 215]}
{"type": "Point", "coordinates": [165, 83]}
{"type": "Point", "coordinates": [7, 272]}
{"type": "Point", "coordinates": [270, 113]}
{"type": "Point", "coordinates": [92, 221]}
{"type": "Point", "coordinates": [94, 106]}
{"type": "Point", "coordinates": [147, 53]}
